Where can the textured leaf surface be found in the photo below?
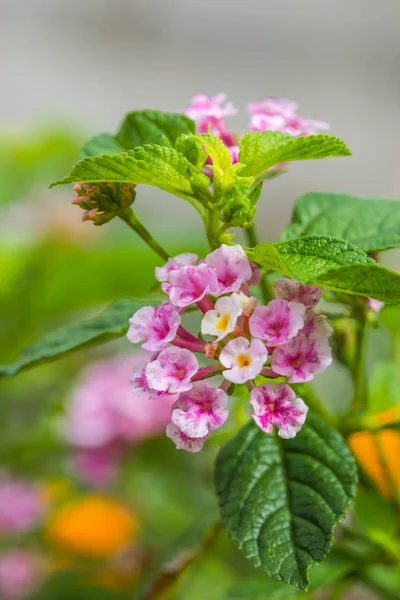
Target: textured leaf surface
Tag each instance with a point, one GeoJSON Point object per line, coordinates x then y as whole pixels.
{"type": "Point", "coordinates": [309, 257]}
{"type": "Point", "coordinates": [261, 587]}
{"type": "Point", "coordinates": [152, 127]}
{"type": "Point", "coordinates": [259, 151]}
{"type": "Point", "coordinates": [331, 263]}
{"type": "Point", "coordinates": [281, 499]}
{"type": "Point", "coordinates": [104, 143]}
{"type": "Point", "coordinates": [372, 224]}
{"type": "Point", "coordinates": [371, 280]}
{"type": "Point", "coordinates": [152, 165]}
{"type": "Point", "coordinates": [111, 323]}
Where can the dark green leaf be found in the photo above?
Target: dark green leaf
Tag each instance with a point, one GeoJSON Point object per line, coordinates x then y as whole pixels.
{"type": "Point", "coordinates": [331, 263]}
{"type": "Point", "coordinates": [104, 143]}
{"type": "Point", "coordinates": [259, 151]}
{"type": "Point", "coordinates": [111, 323]}
{"type": "Point", "coordinates": [261, 587]}
{"type": "Point", "coordinates": [142, 127]}
{"type": "Point", "coordinates": [281, 499]}
{"type": "Point", "coordinates": [372, 224]}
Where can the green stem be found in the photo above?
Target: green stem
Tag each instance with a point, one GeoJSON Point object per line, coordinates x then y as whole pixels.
{"type": "Point", "coordinates": [212, 227]}
{"type": "Point", "coordinates": [265, 286]}
{"type": "Point", "coordinates": [251, 236]}
{"type": "Point", "coordinates": [358, 371]}
{"type": "Point", "coordinates": [133, 221]}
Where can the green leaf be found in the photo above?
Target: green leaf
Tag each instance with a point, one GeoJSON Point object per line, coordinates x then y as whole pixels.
{"type": "Point", "coordinates": [261, 587]}
{"type": "Point", "coordinates": [191, 149]}
{"type": "Point", "coordinates": [142, 127]}
{"type": "Point", "coordinates": [111, 323]}
{"type": "Point", "coordinates": [389, 316]}
{"type": "Point", "coordinates": [331, 263]}
{"type": "Point", "coordinates": [307, 258]}
{"type": "Point", "coordinates": [104, 143]}
{"type": "Point", "coordinates": [159, 166]}
{"type": "Point", "coordinates": [384, 390]}
{"type": "Point", "coordinates": [259, 151]}
{"type": "Point", "coordinates": [370, 280]}
{"type": "Point", "coordinates": [281, 499]}
{"type": "Point", "coordinates": [372, 224]}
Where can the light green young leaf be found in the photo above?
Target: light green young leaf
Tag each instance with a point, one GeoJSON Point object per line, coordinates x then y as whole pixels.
{"type": "Point", "coordinates": [111, 323]}
{"type": "Point", "coordinates": [331, 263]}
{"type": "Point", "coordinates": [259, 151]}
{"type": "Point", "coordinates": [142, 127]}
{"type": "Point", "coordinates": [159, 166]}
{"type": "Point", "coordinates": [372, 224]}
{"type": "Point", "coordinates": [280, 500]}
{"type": "Point", "coordinates": [104, 143]}
{"type": "Point", "coordinates": [191, 149]}
{"type": "Point", "coordinates": [221, 162]}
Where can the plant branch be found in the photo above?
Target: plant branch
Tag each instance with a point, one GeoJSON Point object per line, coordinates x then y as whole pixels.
{"type": "Point", "coordinates": [133, 221]}
{"type": "Point", "coordinates": [358, 371]}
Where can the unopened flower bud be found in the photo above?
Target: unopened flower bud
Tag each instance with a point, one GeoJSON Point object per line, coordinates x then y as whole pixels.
{"type": "Point", "coordinates": [102, 203]}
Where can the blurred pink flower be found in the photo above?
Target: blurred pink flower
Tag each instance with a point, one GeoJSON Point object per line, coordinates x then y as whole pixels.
{"type": "Point", "coordinates": [21, 505]}
{"type": "Point", "coordinates": [103, 417]}
{"type": "Point", "coordinates": [20, 574]}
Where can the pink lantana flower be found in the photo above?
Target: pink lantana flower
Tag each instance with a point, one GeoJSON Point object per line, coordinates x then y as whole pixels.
{"type": "Point", "coordinates": [292, 291]}
{"type": "Point", "coordinates": [223, 319]}
{"type": "Point", "coordinates": [201, 410]}
{"type": "Point", "coordinates": [171, 372]}
{"type": "Point", "coordinates": [279, 114]}
{"type": "Point", "coordinates": [156, 325]}
{"type": "Point", "coordinates": [21, 506]}
{"type": "Point", "coordinates": [183, 441]}
{"type": "Point", "coordinates": [172, 264]}
{"type": "Point", "coordinates": [138, 380]}
{"type": "Point", "coordinates": [272, 106]}
{"type": "Point", "coordinates": [316, 324]}
{"type": "Point", "coordinates": [243, 359]}
{"type": "Point", "coordinates": [231, 266]}
{"type": "Point", "coordinates": [209, 113]}
{"type": "Point", "coordinates": [277, 406]}
{"type": "Point", "coordinates": [278, 322]}
{"type": "Point", "coordinates": [190, 284]}
{"type": "Point", "coordinates": [302, 357]}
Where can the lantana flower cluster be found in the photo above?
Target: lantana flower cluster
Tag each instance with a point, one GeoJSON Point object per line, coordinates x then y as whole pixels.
{"type": "Point", "coordinates": [273, 114]}
{"type": "Point", "coordinates": [285, 340]}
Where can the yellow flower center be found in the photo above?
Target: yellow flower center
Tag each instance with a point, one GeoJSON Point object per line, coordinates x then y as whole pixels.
{"type": "Point", "coordinates": [243, 360]}
{"type": "Point", "coordinates": [222, 324]}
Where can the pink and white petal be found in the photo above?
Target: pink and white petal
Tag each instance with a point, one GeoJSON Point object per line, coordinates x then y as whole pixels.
{"type": "Point", "coordinates": [182, 441]}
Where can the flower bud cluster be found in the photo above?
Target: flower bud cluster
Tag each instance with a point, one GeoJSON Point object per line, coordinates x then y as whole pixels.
{"type": "Point", "coordinates": [102, 203]}
{"type": "Point", "coordinates": [286, 340]}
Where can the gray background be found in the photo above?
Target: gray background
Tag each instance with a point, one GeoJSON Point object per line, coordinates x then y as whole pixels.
{"type": "Point", "coordinates": [90, 61]}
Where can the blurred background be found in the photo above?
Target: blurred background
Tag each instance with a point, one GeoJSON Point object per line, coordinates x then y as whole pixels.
{"type": "Point", "coordinates": [70, 69]}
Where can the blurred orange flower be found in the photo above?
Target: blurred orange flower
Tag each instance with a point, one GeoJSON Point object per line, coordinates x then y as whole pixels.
{"type": "Point", "coordinates": [95, 526]}
{"type": "Point", "coordinates": [378, 453]}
